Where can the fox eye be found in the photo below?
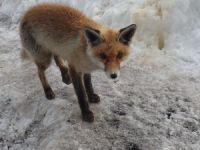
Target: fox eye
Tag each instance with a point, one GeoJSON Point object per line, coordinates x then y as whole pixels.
{"type": "Point", "coordinates": [103, 56]}
{"type": "Point", "coordinates": [120, 55]}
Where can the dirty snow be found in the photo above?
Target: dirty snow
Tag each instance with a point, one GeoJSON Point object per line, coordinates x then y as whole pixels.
{"type": "Point", "coordinates": [154, 106]}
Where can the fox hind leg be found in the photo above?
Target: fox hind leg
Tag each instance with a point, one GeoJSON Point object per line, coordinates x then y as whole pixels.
{"type": "Point", "coordinates": [41, 57]}
{"type": "Point", "coordinates": [63, 69]}
{"type": "Point", "coordinates": [43, 61]}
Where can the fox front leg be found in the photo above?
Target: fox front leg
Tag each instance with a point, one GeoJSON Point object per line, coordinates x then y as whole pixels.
{"type": "Point", "coordinates": [92, 97]}
{"type": "Point", "coordinates": [77, 80]}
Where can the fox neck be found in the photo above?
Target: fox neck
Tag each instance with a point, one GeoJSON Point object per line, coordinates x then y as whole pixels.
{"type": "Point", "coordinates": [83, 60]}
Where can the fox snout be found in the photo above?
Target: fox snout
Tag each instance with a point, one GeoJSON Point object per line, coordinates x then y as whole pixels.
{"type": "Point", "coordinates": [112, 72]}
{"type": "Point", "coordinates": [113, 75]}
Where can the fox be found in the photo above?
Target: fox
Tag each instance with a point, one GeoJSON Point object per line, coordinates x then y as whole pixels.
{"type": "Point", "coordinates": [56, 31]}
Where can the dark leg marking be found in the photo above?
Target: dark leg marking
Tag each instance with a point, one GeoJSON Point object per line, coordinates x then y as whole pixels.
{"type": "Point", "coordinates": [77, 80]}
{"type": "Point", "coordinates": [93, 98]}
{"type": "Point", "coordinates": [47, 89]}
{"type": "Point", "coordinates": [63, 69]}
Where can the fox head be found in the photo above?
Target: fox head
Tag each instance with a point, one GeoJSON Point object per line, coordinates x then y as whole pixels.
{"type": "Point", "coordinates": [109, 48]}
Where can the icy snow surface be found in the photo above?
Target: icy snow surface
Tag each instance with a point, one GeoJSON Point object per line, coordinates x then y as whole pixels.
{"type": "Point", "coordinates": [155, 106]}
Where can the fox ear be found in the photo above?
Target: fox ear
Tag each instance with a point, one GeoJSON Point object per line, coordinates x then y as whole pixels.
{"type": "Point", "coordinates": [126, 34]}
{"type": "Point", "coordinates": [92, 35]}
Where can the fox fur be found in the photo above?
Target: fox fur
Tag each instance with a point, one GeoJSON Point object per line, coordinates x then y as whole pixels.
{"type": "Point", "coordinates": [61, 32]}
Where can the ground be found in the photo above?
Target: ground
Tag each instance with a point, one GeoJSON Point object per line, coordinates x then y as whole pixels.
{"type": "Point", "coordinates": [152, 107]}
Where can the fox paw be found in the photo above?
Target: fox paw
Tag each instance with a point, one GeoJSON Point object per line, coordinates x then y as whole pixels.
{"type": "Point", "coordinates": [49, 94]}
{"type": "Point", "coordinates": [94, 98]}
{"type": "Point", "coordinates": [88, 117]}
{"type": "Point", "coordinates": [66, 78]}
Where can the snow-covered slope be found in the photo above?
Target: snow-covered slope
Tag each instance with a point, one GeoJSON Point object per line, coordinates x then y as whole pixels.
{"type": "Point", "coordinates": [155, 106]}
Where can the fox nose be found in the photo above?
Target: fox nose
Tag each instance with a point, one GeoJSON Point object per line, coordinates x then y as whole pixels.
{"type": "Point", "coordinates": [113, 75]}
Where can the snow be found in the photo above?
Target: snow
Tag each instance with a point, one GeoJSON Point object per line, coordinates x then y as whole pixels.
{"type": "Point", "coordinates": [154, 106]}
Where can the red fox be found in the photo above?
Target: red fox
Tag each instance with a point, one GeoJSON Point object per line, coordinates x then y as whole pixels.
{"type": "Point", "coordinates": [57, 31]}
